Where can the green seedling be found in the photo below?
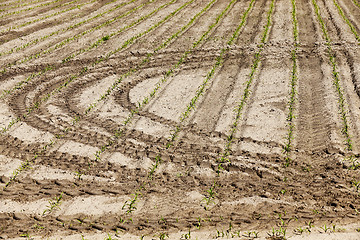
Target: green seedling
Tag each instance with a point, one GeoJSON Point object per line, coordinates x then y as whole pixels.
{"type": "Point", "coordinates": [356, 184]}
{"type": "Point", "coordinates": [325, 228]}
{"type": "Point", "coordinates": [53, 204]}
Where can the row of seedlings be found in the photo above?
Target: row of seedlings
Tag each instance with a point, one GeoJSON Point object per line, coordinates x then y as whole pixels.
{"type": "Point", "coordinates": [336, 80]}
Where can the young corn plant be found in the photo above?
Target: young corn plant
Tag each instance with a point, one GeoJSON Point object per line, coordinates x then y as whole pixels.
{"type": "Point", "coordinates": [53, 205]}
{"type": "Point", "coordinates": [336, 80]}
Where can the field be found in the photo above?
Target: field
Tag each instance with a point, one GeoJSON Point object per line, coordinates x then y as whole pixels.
{"type": "Point", "coordinates": [179, 119]}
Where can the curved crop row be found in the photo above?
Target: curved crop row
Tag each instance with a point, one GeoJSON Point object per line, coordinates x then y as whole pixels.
{"type": "Point", "coordinates": [30, 8]}
{"type": "Point", "coordinates": [336, 77]}
{"type": "Point", "coordinates": [25, 165]}
{"type": "Point", "coordinates": [47, 16]}
{"type": "Point", "coordinates": [351, 26]}
{"type": "Point", "coordinates": [293, 83]}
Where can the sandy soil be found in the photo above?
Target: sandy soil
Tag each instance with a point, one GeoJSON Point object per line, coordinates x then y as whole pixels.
{"type": "Point", "coordinates": [120, 119]}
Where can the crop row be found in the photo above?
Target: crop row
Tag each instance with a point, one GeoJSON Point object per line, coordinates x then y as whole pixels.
{"type": "Point", "coordinates": [30, 8]}
{"type": "Point", "coordinates": [130, 204]}
{"type": "Point", "coordinates": [46, 17]}
{"type": "Point", "coordinates": [36, 105]}
{"type": "Point", "coordinates": [351, 26]}
{"type": "Point", "coordinates": [336, 77]}
{"type": "Point", "coordinates": [293, 83]}
{"type": "Point", "coordinates": [78, 35]}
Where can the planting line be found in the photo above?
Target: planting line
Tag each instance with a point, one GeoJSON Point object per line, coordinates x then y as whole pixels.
{"type": "Point", "coordinates": [293, 94]}
{"type": "Point", "coordinates": [336, 82]}
{"type": "Point", "coordinates": [79, 35]}
{"type": "Point", "coordinates": [25, 165]}
{"type": "Point", "coordinates": [130, 205]}
{"type": "Point", "coordinates": [47, 16]}
{"type": "Point", "coordinates": [15, 49]}
{"type": "Point", "coordinates": [30, 8]}
{"type": "Point", "coordinates": [240, 106]}
{"type": "Point", "coordinates": [352, 28]}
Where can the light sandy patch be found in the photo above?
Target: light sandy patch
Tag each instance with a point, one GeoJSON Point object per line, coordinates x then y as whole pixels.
{"type": "Point", "coordinates": [143, 89]}
{"type": "Point", "coordinates": [178, 94]}
{"type": "Point", "coordinates": [29, 134]}
{"type": "Point", "coordinates": [94, 205]}
{"type": "Point", "coordinates": [152, 128]}
{"type": "Point", "coordinates": [255, 200]}
{"type": "Point", "coordinates": [11, 82]}
{"type": "Point", "coordinates": [110, 110]}
{"type": "Point", "coordinates": [268, 106]}
{"type": "Point", "coordinates": [258, 148]}
{"type": "Point", "coordinates": [8, 165]}
{"type": "Point", "coordinates": [56, 111]}
{"type": "Point", "coordinates": [91, 94]}
{"type": "Point", "coordinates": [76, 148]}
{"type": "Point", "coordinates": [5, 115]}
{"type": "Point", "coordinates": [36, 207]}
{"type": "Point", "coordinates": [122, 160]}
{"type": "Point", "coordinates": [228, 114]}
{"type": "Point", "coordinates": [44, 172]}
{"type": "Point", "coordinates": [282, 29]}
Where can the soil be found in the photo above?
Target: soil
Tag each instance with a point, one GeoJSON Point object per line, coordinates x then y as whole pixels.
{"type": "Point", "coordinates": [73, 167]}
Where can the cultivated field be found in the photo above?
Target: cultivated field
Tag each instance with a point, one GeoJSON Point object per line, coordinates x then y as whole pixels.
{"type": "Point", "coordinates": [179, 119]}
